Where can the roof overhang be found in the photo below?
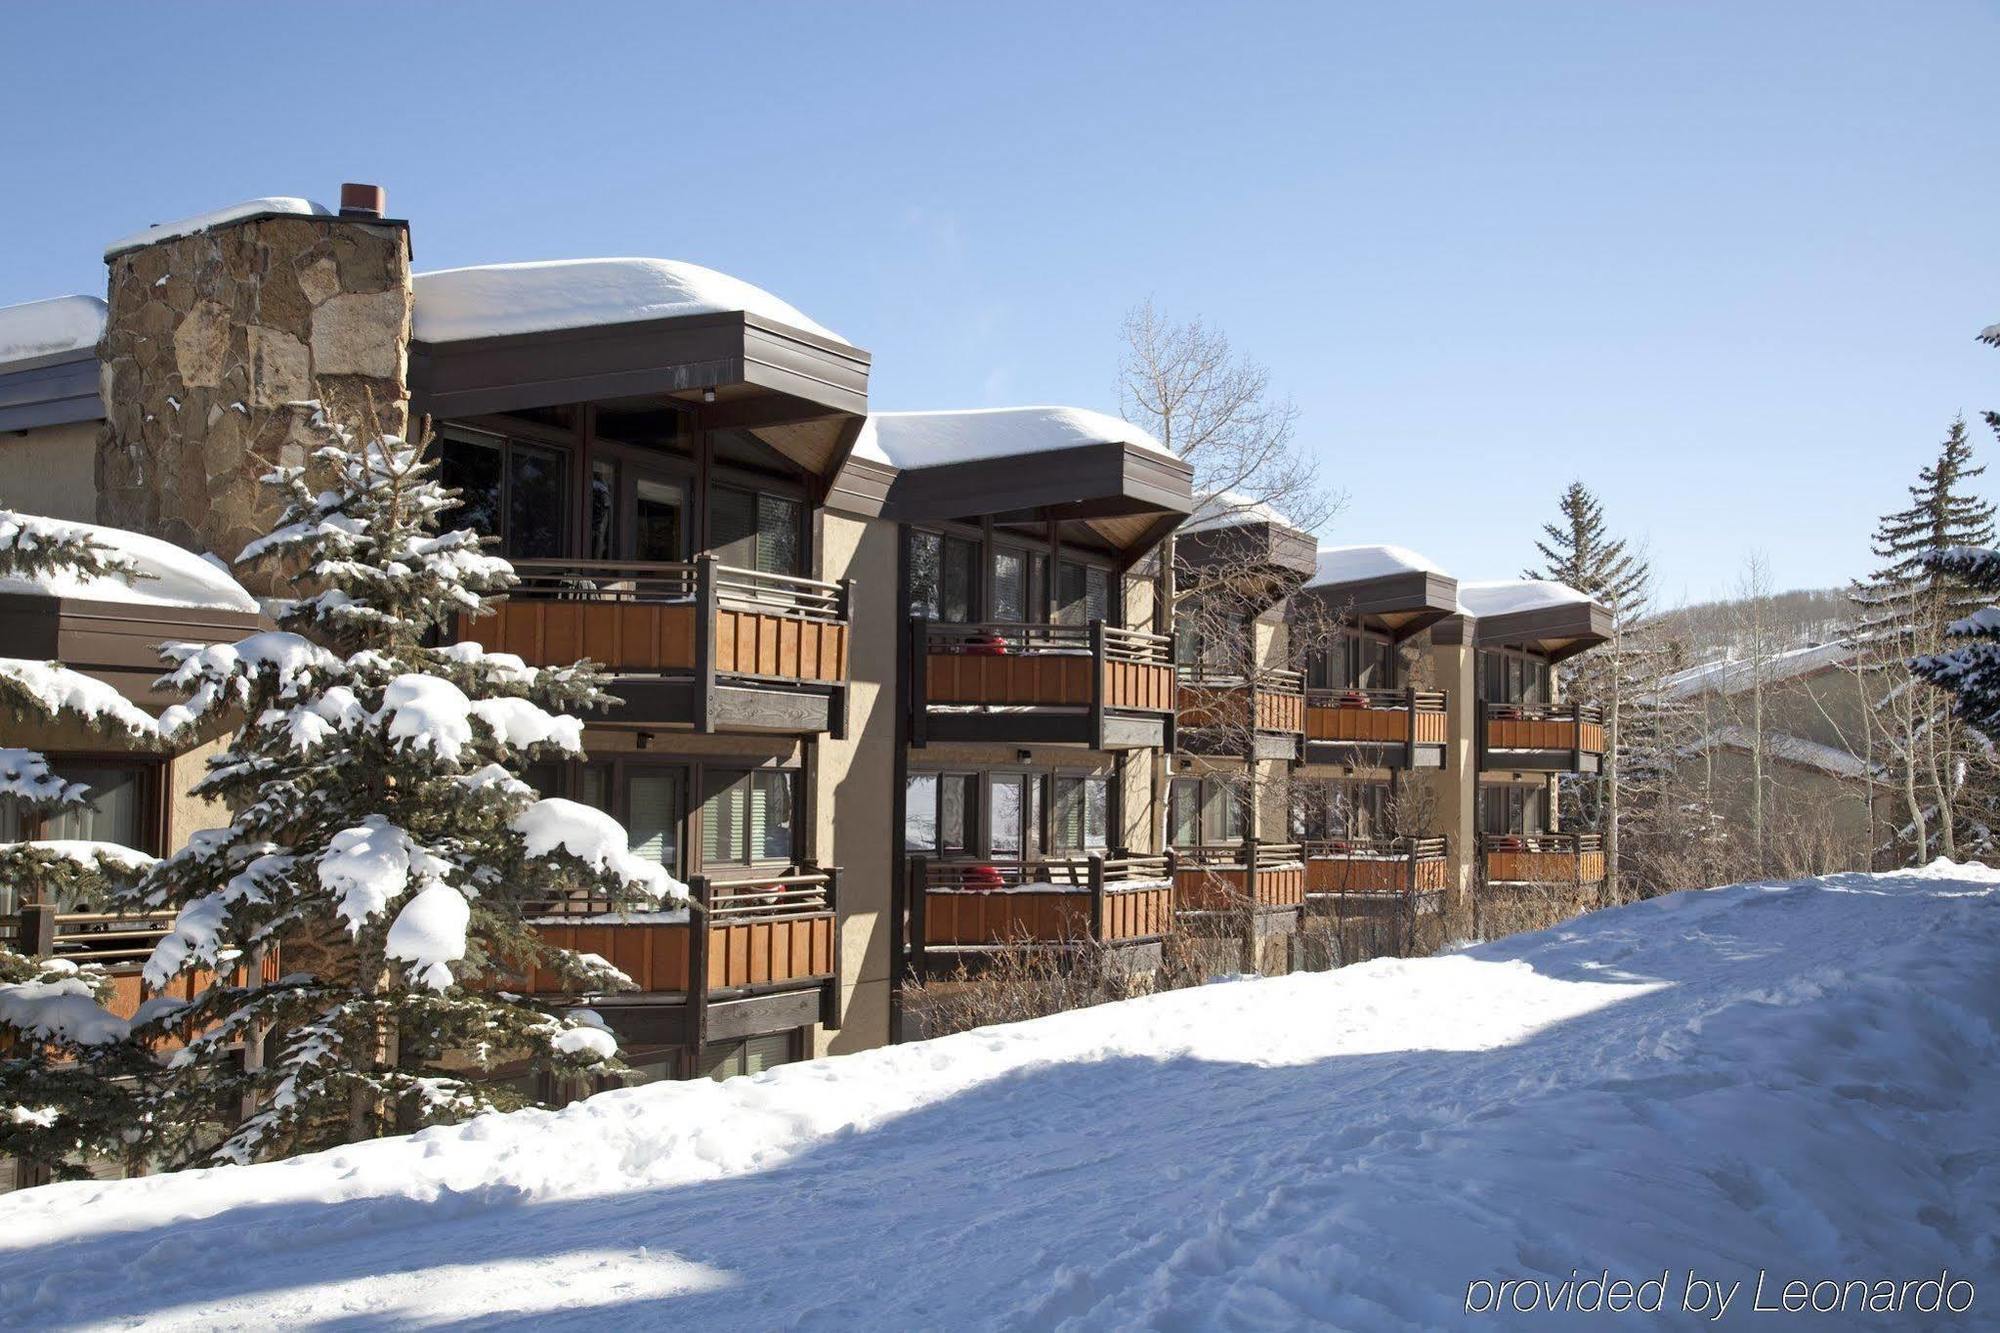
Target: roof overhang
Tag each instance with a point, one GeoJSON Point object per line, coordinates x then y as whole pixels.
{"type": "Point", "coordinates": [1129, 496]}
{"type": "Point", "coordinates": [802, 394]}
{"type": "Point", "coordinates": [117, 642]}
{"type": "Point", "coordinates": [1555, 632]}
{"type": "Point", "coordinates": [1257, 547]}
{"type": "Point", "coordinates": [1401, 604]}
{"type": "Point", "coordinates": [52, 390]}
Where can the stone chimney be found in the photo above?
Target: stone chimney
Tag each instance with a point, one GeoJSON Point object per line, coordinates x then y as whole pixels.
{"type": "Point", "coordinates": [221, 333]}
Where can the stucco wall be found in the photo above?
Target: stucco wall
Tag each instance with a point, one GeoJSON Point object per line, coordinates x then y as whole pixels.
{"type": "Point", "coordinates": [51, 470]}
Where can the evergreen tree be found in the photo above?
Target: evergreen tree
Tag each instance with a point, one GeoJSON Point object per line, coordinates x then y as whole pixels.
{"type": "Point", "coordinates": [380, 841]}
{"type": "Point", "coordinates": [1904, 609]}
{"type": "Point", "coordinates": [67, 1064]}
{"type": "Point", "coordinates": [1578, 551]}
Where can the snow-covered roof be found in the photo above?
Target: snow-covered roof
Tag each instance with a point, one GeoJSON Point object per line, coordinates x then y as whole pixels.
{"type": "Point", "coordinates": [490, 300]}
{"type": "Point", "coordinates": [1233, 509]}
{"type": "Point", "coordinates": [175, 577]}
{"type": "Point", "coordinates": [931, 439]}
{"type": "Point", "coordinates": [45, 328]}
{"type": "Point", "coordinates": [1505, 597]}
{"type": "Point", "coordinates": [1734, 675]}
{"type": "Point", "coordinates": [1790, 749]}
{"type": "Point", "coordinates": [1352, 564]}
{"type": "Point", "coordinates": [249, 208]}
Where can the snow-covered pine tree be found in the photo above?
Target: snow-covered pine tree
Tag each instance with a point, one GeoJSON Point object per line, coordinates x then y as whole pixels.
{"type": "Point", "coordinates": [1579, 551]}
{"type": "Point", "coordinates": [67, 1064]}
{"type": "Point", "coordinates": [1903, 611]}
{"type": "Point", "coordinates": [380, 842]}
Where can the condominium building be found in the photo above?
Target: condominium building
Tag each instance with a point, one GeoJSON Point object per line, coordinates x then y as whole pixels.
{"type": "Point", "coordinates": [895, 689]}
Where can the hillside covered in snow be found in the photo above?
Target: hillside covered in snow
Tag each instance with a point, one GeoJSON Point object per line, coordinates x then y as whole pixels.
{"type": "Point", "coordinates": [1798, 1079]}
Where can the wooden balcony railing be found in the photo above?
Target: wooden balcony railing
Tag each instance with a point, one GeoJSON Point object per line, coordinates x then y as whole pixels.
{"type": "Point", "coordinates": [1276, 698]}
{"type": "Point", "coordinates": [1407, 717]}
{"type": "Point", "coordinates": [1120, 898]}
{"type": "Point", "coordinates": [1228, 878]}
{"type": "Point", "coordinates": [1542, 858]}
{"type": "Point", "coordinates": [119, 943]}
{"type": "Point", "coordinates": [755, 932]}
{"type": "Point", "coordinates": [1087, 671]}
{"type": "Point", "coordinates": [697, 617]}
{"type": "Point", "coordinates": [1568, 736]}
{"type": "Point", "coordinates": [1377, 866]}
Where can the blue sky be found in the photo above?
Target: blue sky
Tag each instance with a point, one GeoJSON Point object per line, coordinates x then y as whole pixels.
{"type": "Point", "coordinates": [1722, 261]}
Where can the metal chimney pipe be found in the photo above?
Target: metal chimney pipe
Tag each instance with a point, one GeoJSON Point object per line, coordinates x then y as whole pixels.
{"type": "Point", "coordinates": [363, 201]}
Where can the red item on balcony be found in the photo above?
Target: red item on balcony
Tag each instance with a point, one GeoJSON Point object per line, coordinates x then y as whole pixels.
{"type": "Point", "coordinates": [989, 645]}
{"type": "Point", "coordinates": [983, 878]}
{"type": "Point", "coordinates": [1354, 699]}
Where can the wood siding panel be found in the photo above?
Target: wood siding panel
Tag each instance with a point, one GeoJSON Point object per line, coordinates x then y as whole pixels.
{"type": "Point", "coordinates": [618, 636]}
{"type": "Point", "coordinates": [1432, 729]}
{"type": "Point", "coordinates": [1281, 712]}
{"type": "Point", "coordinates": [1201, 889]}
{"type": "Point", "coordinates": [1385, 725]}
{"type": "Point", "coordinates": [1139, 686]}
{"type": "Point", "coordinates": [1046, 679]}
{"type": "Point", "coordinates": [1544, 867]}
{"type": "Point", "coordinates": [1003, 918]}
{"type": "Point", "coordinates": [781, 647]}
{"type": "Point", "coordinates": [1513, 733]}
{"type": "Point", "coordinates": [653, 954]}
{"type": "Point", "coordinates": [1136, 914]}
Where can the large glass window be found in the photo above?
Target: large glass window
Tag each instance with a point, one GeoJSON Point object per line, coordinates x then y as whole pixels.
{"type": "Point", "coordinates": [1082, 814]}
{"type": "Point", "coordinates": [1014, 815]}
{"type": "Point", "coordinates": [960, 602]}
{"type": "Point", "coordinates": [1083, 593]}
{"type": "Point", "coordinates": [510, 490]}
{"type": "Point", "coordinates": [659, 519]}
{"type": "Point", "coordinates": [750, 818]}
{"type": "Point", "coordinates": [938, 812]}
{"type": "Point", "coordinates": [1010, 585]}
{"type": "Point", "coordinates": [115, 809]}
{"type": "Point", "coordinates": [926, 574]}
{"type": "Point", "coordinates": [1510, 678]}
{"type": "Point", "coordinates": [1184, 812]}
{"type": "Point", "coordinates": [1512, 808]}
{"type": "Point", "coordinates": [655, 797]}
{"type": "Point", "coordinates": [603, 510]}
{"type": "Point", "coordinates": [756, 530]}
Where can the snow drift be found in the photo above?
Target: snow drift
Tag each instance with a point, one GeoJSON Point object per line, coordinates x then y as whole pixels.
{"type": "Point", "coordinates": [1795, 1078]}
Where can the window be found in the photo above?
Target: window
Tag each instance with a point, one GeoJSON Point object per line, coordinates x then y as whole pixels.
{"type": "Point", "coordinates": [1014, 815]}
{"type": "Point", "coordinates": [117, 809]}
{"type": "Point", "coordinates": [938, 812]}
{"type": "Point", "coordinates": [1082, 814]}
{"type": "Point", "coordinates": [752, 1055]}
{"type": "Point", "coordinates": [1038, 588]}
{"type": "Point", "coordinates": [1512, 808]}
{"type": "Point", "coordinates": [1220, 642]}
{"type": "Point", "coordinates": [750, 818]}
{"type": "Point", "coordinates": [510, 490]}
{"type": "Point", "coordinates": [960, 602]}
{"type": "Point", "coordinates": [1356, 662]}
{"type": "Point", "coordinates": [659, 519]}
{"type": "Point", "coordinates": [654, 800]}
{"type": "Point", "coordinates": [1010, 586]}
{"type": "Point", "coordinates": [1511, 678]}
{"type": "Point", "coordinates": [1221, 813]}
{"type": "Point", "coordinates": [603, 510]}
{"type": "Point", "coordinates": [1184, 812]}
{"type": "Point", "coordinates": [756, 530]}
{"type": "Point", "coordinates": [1083, 593]}
{"type": "Point", "coordinates": [926, 574]}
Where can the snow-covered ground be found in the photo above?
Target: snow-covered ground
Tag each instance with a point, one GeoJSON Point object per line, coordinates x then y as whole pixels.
{"type": "Point", "coordinates": [1794, 1078]}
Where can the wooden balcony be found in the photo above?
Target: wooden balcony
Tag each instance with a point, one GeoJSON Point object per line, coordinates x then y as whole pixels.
{"type": "Point", "coordinates": [1377, 867]}
{"type": "Point", "coordinates": [695, 644]}
{"type": "Point", "coordinates": [1222, 713]}
{"type": "Point", "coordinates": [1270, 876]}
{"type": "Point", "coordinates": [1398, 729]}
{"type": "Point", "coordinates": [765, 957]}
{"type": "Point", "coordinates": [980, 905]}
{"type": "Point", "coordinates": [1095, 685]}
{"type": "Point", "coordinates": [1540, 738]}
{"type": "Point", "coordinates": [1575, 859]}
{"type": "Point", "coordinates": [119, 943]}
